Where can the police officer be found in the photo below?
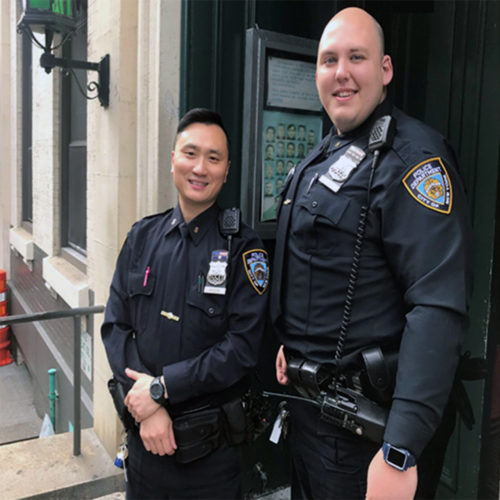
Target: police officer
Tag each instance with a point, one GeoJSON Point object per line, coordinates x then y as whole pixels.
{"type": "Point", "coordinates": [413, 280]}
{"type": "Point", "coordinates": [183, 326]}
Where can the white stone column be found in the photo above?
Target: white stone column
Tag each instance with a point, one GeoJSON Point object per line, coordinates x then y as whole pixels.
{"type": "Point", "coordinates": [157, 102]}
{"type": "Point", "coordinates": [111, 176]}
{"type": "Point", "coordinates": [5, 130]}
{"type": "Point", "coordinates": [15, 118]}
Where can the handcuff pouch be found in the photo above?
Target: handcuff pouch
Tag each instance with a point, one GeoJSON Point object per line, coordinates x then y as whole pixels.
{"type": "Point", "coordinates": [235, 422]}
{"type": "Point", "coordinates": [379, 374]}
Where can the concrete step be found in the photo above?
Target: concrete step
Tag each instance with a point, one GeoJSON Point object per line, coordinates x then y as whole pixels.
{"type": "Point", "coordinates": [45, 468]}
{"type": "Point", "coordinates": [117, 495]}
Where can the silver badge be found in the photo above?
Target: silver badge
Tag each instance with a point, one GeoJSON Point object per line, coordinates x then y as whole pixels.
{"type": "Point", "coordinates": [216, 277]}
{"type": "Point", "coordinates": [341, 169]}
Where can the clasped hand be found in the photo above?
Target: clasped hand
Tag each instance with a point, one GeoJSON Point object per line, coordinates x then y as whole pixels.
{"type": "Point", "coordinates": [156, 428]}
{"type": "Point", "coordinates": [138, 399]}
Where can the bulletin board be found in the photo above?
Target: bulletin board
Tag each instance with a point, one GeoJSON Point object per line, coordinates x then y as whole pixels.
{"type": "Point", "coordinates": [282, 119]}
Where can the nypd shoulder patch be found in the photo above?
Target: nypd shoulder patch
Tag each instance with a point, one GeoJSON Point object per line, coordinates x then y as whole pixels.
{"type": "Point", "coordinates": [257, 269]}
{"type": "Point", "coordinates": [429, 183]}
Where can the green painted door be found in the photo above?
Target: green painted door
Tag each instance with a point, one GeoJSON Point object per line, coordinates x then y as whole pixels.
{"type": "Point", "coordinates": [447, 67]}
{"type": "Point", "coordinates": [446, 56]}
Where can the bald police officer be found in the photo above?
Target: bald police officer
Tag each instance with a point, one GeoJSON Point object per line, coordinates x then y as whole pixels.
{"type": "Point", "coordinates": [183, 326]}
{"type": "Point", "coordinates": [414, 278]}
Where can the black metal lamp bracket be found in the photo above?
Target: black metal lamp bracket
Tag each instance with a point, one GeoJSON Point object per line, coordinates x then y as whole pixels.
{"type": "Point", "coordinates": [48, 61]}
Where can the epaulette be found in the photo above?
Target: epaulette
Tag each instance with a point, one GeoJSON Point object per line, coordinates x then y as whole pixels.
{"type": "Point", "coordinates": [160, 214]}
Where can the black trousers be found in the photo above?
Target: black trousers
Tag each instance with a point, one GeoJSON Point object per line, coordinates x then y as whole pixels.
{"type": "Point", "coordinates": [216, 476]}
{"type": "Point", "coordinates": [331, 463]}
{"type": "Point", "coordinates": [327, 462]}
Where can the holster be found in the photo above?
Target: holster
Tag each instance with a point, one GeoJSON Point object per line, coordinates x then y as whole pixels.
{"type": "Point", "coordinates": [235, 421]}
{"type": "Point", "coordinates": [197, 434]}
{"type": "Point", "coordinates": [308, 377]}
{"type": "Point", "coordinates": [118, 395]}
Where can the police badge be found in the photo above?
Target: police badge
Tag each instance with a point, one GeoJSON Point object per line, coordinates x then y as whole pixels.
{"type": "Point", "coordinates": [216, 277]}
{"type": "Point", "coordinates": [257, 269]}
{"type": "Point", "coordinates": [341, 169]}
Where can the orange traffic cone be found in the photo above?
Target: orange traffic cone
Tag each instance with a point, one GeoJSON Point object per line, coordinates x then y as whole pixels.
{"type": "Point", "coordinates": [5, 357]}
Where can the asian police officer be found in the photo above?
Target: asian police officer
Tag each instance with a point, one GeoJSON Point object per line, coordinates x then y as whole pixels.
{"type": "Point", "coordinates": [183, 325]}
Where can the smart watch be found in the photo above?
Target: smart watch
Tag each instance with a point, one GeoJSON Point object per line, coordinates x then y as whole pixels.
{"type": "Point", "coordinates": [157, 391]}
{"type": "Point", "coordinates": [399, 458]}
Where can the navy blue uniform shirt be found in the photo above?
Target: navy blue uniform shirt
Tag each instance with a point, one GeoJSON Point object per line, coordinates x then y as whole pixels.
{"type": "Point", "coordinates": [160, 319]}
{"type": "Point", "coordinates": [415, 273]}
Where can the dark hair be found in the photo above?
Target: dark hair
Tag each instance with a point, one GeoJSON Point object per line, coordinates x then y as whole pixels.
{"type": "Point", "coordinates": [201, 115]}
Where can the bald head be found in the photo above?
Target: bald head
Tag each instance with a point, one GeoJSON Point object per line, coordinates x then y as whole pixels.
{"type": "Point", "coordinates": [357, 17]}
{"type": "Point", "coordinates": [352, 71]}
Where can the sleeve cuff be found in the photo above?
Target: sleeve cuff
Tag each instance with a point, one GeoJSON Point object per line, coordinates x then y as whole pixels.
{"type": "Point", "coordinates": [405, 429]}
{"type": "Point", "coordinates": [177, 383]}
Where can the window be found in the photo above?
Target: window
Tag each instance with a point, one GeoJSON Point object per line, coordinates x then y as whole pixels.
{"type": "Point", "coordinates": [74, 147]}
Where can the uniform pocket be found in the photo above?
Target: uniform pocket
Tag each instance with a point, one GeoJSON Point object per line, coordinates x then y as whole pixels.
{"type": "Point", "coordinates": [209, 305]}
{"type": "Point", "coordinates": [322, 204]}
{"type": "Point", "coordinates": [320, 216]}
{"type": "Point", "coordinates": [205, 321]}
{"type": "Point", "coordinates": [140, 289]}
{"type": "Point", "coordinates": [343, 453]}
{"type": "Point", "coordinates": [140, 284]}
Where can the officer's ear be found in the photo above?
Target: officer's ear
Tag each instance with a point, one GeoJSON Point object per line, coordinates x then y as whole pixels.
{"type": "Point", "coordinates": [387, 70]}
{"type": "Point", "coordinates": [172, 161]}
{"type": "Point", "coordinates": [227, 171]}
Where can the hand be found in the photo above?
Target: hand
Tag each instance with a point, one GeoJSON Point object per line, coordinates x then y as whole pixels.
{"type": "Point", "coordinates": [387, 483]}
{"type": "Point", "coordinates": [138, 399]}
{"type": "Point", "coordinates": [157, 433]}
{"type": "Point", "coordinates": [281, 376]}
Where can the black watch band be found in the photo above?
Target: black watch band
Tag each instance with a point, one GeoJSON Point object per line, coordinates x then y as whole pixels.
{"type": "Point", "coordinates": [157, 391]}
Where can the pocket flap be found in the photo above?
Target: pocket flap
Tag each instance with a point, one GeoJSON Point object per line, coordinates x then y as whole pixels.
{"type": "Point", "coordinates": [140, 284]}
{"type": "Point", "coordinates": [328, 205]}
{"type": "Point", "coordinates": [208, 304]}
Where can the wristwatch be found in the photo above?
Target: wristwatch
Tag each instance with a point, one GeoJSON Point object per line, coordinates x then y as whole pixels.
{"type": "Point", "coordinates": [157, 391]}
{"type": "Point", "coordinates": [399, 458]}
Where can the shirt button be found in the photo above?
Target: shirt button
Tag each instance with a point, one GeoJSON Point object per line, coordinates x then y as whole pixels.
{"type": "Point", "coordinates": [314, 204]}
{"type": "Point", "coordinates": [211, 310]}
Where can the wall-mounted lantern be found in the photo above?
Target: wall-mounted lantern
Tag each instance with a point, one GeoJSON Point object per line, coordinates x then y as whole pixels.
{"type": "Point", "coordinates": [61, 16]}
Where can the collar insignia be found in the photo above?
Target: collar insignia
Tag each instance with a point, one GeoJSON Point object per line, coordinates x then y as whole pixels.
{"type": "Point", "coordinates": [257, 269]}
{"type": "Point", "coordinates": [430, 185]}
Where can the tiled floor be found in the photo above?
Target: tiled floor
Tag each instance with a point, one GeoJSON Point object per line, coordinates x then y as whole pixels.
{"type": "Point", "coordinates": [18, 418]}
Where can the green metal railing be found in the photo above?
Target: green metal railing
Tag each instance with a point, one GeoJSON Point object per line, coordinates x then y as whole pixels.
{"type": "Point", "coordinates": [77, 314]}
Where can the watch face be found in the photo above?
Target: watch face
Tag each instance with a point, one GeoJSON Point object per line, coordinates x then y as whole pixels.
{"type": "Point", "coordinates": [156, 390]}
{"type": "Point", "coordinates": [396, 457]}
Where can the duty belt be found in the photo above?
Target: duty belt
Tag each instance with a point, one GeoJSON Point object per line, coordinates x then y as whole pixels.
{"type": "Point", "coordinates": [375, 379]}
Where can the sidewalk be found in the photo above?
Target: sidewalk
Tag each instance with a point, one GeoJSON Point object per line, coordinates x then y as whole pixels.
{"type": "Point", "coordinates": [18, 418]}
